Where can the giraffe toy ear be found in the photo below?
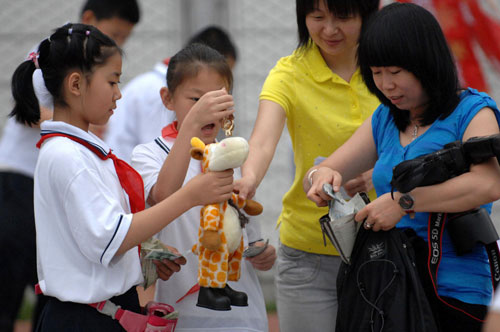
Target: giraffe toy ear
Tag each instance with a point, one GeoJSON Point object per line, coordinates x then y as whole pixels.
{"type": "Point", "coordinates": [197, 143]}
{"type": "Point", "coordinates": [196, 153]}
{"type": "Point", "coordinates": [197, 148]}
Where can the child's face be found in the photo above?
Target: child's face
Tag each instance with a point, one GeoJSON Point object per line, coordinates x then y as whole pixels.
{"type": "Point", "coordinates": [100, 92]}
{"type": "Point", "coordinates": [116, 28]}
{"type": "Point", "coordinates": [190, 91]}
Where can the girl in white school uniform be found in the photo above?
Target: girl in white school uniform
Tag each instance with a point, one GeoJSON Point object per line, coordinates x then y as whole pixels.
{"type": "Point", "coordinates": [87, 202]}
{"type": "Point", "coordinates": [198, 81]}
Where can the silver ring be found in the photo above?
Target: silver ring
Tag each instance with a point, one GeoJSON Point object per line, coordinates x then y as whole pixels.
{"type": "Point", "coordinates": [368, 226]}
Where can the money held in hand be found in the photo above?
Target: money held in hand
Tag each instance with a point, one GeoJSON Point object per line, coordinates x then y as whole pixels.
{"type": "Point", "coordinates": [151, 250]}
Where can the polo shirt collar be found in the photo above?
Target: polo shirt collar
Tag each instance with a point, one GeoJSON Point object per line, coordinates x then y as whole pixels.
{"type": "Point", "coordinates": [51, 126]}
{"type": "Point", "coordinates": [318, 67]}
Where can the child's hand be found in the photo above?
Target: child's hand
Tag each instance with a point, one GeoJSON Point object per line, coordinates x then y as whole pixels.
{"type": "Point", "coordinates": [211, 187]}
{"type": "Point", "coordinates": [265, 260]}
{"type": "Point", "coordinates": [212, 107]}
{"type": "Point", "coordinates": [165, 268]}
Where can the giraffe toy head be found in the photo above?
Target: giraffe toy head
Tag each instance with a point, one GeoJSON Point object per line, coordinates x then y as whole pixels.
{"type": "Point", "coordinates": [229, 153]}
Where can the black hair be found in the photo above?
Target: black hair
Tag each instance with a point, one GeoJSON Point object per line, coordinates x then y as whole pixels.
{"type": "Point", "coordinates": [217, 39]}
{"type": "Point", "coordinates": [187, 63]}
{"type": "Point", "coordinates": [71, 47]}
{"type": "Point", "coordinates": [339, 8]}
{"type": "Point", "coordinates": [408, 36]}
{"type": "Point", "coordinates": [127, 10]}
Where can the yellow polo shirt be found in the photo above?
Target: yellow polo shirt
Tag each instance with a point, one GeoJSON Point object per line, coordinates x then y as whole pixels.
{"type": "Point", "coordinates": [323, 111]}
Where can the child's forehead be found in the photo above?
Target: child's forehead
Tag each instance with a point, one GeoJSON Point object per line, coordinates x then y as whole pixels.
{"type": "Point", "coordinates": [112, 66]}
{"type": "Point", "coordinates": [205, 78]}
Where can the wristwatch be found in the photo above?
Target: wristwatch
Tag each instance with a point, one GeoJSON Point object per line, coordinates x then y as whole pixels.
{"type": "Point", "coordinates": [406, 201]}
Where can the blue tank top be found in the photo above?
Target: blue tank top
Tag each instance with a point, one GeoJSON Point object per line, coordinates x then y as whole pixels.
{"type": "Point", "coordinates": [466, 278]}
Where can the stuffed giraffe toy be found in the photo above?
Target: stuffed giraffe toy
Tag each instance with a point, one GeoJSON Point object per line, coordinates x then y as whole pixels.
{"type": "Point", "coordinates": [220, 238]}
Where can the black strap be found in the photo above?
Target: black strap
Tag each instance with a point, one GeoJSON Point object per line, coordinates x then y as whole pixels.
{"type": "Point", "coordinates": [435, 235]}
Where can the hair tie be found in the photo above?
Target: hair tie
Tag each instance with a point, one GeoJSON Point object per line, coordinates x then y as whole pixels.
{"type": "Point", "coordinates": [87, 33]}
{"type": "Point", "coordinates": [70, 31]}
{"type": "Point", "coordinates": [33, 56]}
{"type": "Point", "coordinates": [43, 95]}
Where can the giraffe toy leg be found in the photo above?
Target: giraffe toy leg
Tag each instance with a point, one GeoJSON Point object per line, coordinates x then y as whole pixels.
{"type": "Point", "coordinates": [209, 277]}
{"type": "Point", "coordinates": [237, 298]}
{"type": "Point", "coordinates": [235, 263]}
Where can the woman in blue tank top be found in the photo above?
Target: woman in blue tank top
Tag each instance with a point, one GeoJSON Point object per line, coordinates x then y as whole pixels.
{"type": "Point", "coordinates": [405, 61]}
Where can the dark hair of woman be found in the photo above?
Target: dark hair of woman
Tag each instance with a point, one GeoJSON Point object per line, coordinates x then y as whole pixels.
{"type": "Point", "coordinates": [340, 8]}
{"type": "Point", "coordinates": [396, 39]}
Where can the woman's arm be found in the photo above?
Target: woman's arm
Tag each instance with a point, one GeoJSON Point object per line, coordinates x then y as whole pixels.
{"type": "Point", "coordinates": [265, 137]}
{"type": "Point", "coordinates": [479, 186]}
{"type": "Point", "coordinates": [357, 155]}
{"type": "Point", "coordinates": [462, 193]}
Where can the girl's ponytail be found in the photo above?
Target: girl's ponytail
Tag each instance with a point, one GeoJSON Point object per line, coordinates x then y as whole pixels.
{"type": "Point", "coordinates": [71, 47]}
{"type": "Point", "coordinates": [26, 108]}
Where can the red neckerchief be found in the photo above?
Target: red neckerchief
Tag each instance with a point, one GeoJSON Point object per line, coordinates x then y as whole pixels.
{"type": "Point", "coordinates": [170, 130]}
{"type": "Point", "coordinates": [130, 180]}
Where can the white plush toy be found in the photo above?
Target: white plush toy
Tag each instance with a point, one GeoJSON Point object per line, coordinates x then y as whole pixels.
{"type": "Point", "coordinates": [220, 240]}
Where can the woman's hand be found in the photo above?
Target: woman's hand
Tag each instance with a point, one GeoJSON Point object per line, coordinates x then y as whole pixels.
{"type": "Point", "coordinates": [265, 260]}
{"type": "Point", "coordinates": [314, 181]}
{"type": "Point", "coordinates": [362, 183]}
{"type": "Point", "coordinates": [381, 214]}
{"type": "Point", "coordinates": [245, 187]}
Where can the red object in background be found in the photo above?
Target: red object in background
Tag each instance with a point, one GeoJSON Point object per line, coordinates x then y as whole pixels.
{"type": "Point", "coordinates": [466, 23]}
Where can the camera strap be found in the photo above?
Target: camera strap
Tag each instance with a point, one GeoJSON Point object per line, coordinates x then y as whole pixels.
{"type": "Point", "coordinates": [435, 235]}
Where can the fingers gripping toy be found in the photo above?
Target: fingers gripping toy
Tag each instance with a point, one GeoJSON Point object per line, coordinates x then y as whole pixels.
{"type": "Point", "coordinates": [220, 239]}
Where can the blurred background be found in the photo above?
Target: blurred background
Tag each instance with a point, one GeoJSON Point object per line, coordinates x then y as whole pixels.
{"type": "Point", "coordinates": [263, 31]}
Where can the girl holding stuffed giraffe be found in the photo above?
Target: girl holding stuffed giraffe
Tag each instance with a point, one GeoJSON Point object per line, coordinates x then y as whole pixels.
{"type": "Point", "coordinates": [89, 205]}
{"type": "Point", "coordinates": [199, 81]}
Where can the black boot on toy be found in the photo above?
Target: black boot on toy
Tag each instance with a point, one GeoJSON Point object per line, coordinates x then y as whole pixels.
{"type": "Point", "coordinates": [239, 299]}
{"type": "Point", "coordinates": [213, 298]}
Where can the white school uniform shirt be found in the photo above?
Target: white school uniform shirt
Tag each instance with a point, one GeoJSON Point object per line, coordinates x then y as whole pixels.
{"type": "Point", "coordinates": [82, 215]}
{"type": "Point", "coordinates": [140, 114]}
{"type": "Point", "coordinates": [182, 234]}
{"type": "Point", "coordinates": [18, 152]}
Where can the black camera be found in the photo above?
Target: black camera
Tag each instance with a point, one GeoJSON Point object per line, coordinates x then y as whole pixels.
{"type": "Point", "coordinates": [436, 167]}
{"type": "Point", "coordinates": [431, 168]}
{"type": "Point", "coordinates": [466, 228]}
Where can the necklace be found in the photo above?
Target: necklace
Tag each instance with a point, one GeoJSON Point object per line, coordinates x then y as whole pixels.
{"type": "Point", "coordinates": [415, 132]}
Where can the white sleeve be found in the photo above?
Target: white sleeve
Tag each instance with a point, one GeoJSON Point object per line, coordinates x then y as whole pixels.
{"type": "Point", "coordinates": [96, 217]}
{"type": "Point", "coordinates": [148, 161]}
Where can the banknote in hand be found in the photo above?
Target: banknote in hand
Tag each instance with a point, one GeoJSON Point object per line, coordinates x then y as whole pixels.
{"type": "Point", "coordinates": [153, 249]}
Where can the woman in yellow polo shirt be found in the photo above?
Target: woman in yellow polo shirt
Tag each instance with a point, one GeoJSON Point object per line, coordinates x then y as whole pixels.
{"type": "Point", "coordinates": [319, 92]}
